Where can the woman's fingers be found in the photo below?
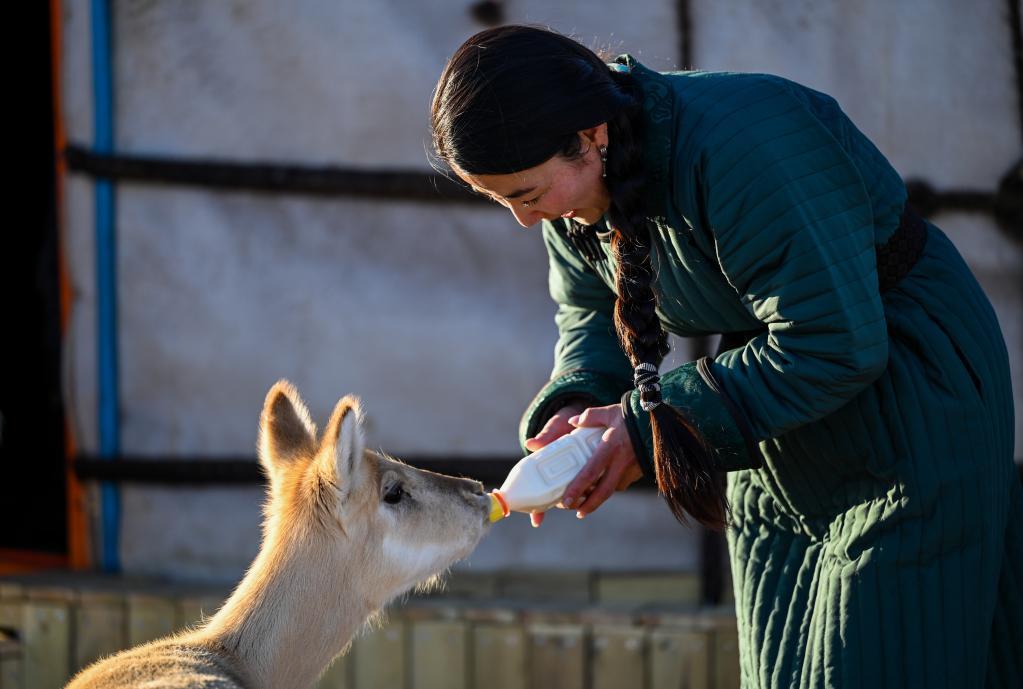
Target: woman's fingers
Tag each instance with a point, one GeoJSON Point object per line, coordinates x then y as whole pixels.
{"type": "Point", "coordinates": [587, 477]}
{"type": "Point", "coordinates": [612, 467]}
{"type": "Point", "coordinates": [555, 427]}
{"type": "Point", "coordinates": [604, 489]}
{"type": "Point", "coordinates": [596, 416]}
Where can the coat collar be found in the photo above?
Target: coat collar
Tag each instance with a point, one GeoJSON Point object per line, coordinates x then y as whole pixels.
{"type": "Point", "coordinates": [659, 114]}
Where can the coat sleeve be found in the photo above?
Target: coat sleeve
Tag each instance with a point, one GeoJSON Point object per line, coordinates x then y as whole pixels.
{"type": "Point", "coordinates": [588, 360]}
{"type": "Point", "coordinates": [793, 230]}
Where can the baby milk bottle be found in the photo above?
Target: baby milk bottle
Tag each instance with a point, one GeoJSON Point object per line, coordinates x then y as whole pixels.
{"type": "Point", "coordinates": [539, 480]}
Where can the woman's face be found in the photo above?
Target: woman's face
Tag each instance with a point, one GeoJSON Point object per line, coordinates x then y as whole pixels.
{"type": "Point", "coordinates": [556, 188]}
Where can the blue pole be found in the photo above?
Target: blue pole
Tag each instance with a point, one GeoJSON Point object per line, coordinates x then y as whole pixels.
{"type": "Point", "coordinates": [106, 277]}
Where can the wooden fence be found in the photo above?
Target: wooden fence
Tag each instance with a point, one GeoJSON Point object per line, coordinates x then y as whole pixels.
{"type": "Point", "coordinates": [504, 631]}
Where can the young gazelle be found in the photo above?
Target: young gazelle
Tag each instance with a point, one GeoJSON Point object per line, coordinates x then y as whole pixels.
{"type": "Point", "coordinates": [345, 531]}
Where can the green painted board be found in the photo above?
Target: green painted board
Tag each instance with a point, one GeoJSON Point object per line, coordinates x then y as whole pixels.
{"type": "Point", "coordinates": [679, 659]}
{"type": "Point", "coordinates": [561, 587]}
{"type": "Point", "coordinates": [557, 656]}
{"type": "Point", "coordinates": [618, 657]}
{"type": "Point", "coordinates": [192, 611]}
{"type": "Point", "coordinates": [499, 656]}
{"type": "Point", "coordinates": [47, 641]}
{"type": "Point", "coordinates": [683, 587]}
{"type": "Point", "coordinates": [100, 621]}
{"type": "Point", "coordinates": [338, 675]}
{"type": "Point", "coordinates": [726, 656]}
{"type": "Point", "coordinates": [468, 585]}
{"type": "Point", "coordinates": [380, 658]}
{"type": "Point", "coordinates": [149, 617]}
{"type": "Point", "coordinates": [10, 664]}
{"type": "Point", "coordinates": [440, 655]}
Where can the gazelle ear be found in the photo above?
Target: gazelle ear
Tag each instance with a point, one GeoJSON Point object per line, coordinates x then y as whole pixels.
{"type": "Point", "coordinates": [341, 457]}
{"type": "Point", "coordinates": [286, 432]}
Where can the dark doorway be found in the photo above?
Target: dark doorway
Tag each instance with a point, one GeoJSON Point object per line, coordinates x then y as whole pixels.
{"type": "Point", "coordinates": [33, 505]}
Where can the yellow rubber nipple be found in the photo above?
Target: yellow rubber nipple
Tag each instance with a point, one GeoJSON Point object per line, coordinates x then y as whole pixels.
{"type": "Point", "coordinates": [498, 508]}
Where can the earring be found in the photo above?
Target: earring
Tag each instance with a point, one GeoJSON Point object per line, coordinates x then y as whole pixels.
{"type": "Point", "coordinates": [603, 160]}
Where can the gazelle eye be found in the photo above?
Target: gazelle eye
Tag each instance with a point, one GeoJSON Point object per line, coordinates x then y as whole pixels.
{"type": "Point", "coordinates": [394, 494]}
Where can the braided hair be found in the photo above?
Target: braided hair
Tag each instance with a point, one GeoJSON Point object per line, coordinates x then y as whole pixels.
{"type": "Point", "coordinates": [511, 98]}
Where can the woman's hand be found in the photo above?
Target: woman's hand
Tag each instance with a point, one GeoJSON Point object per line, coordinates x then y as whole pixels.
{"type": "Point", "coordinates": [612, 467]}
{"type": "Point", "coordinates": [555, 427]}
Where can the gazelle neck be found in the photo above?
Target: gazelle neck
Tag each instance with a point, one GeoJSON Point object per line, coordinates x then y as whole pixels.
{"type": "Point", "coordinates": [292, 613]}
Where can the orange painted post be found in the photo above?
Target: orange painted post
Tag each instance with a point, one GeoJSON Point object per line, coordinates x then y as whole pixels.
{"type": "Point", "coordinates": [77, 524]}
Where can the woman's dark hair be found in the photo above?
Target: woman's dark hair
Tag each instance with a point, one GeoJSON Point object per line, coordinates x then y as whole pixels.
{"type": "Point", "coordinates": [511, 98]}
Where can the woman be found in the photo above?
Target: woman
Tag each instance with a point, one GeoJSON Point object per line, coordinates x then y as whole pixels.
{"type": "Point", "coordinates": [861, 404]}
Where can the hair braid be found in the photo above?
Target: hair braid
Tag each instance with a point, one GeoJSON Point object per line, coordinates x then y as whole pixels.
{"type": "Point", "coordinates": [683, 465]}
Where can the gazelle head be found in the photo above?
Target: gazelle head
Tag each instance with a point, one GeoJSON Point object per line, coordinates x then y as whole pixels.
{"type": "Point", "coordinates": [338, 506]}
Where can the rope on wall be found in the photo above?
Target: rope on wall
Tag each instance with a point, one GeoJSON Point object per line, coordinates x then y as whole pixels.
{"type": "Point", "coordinates": [683, 12]}
{"type": "Point", "coordinates": [491, 470]}
{"type": "Point", "coordinates": [402, 185]}
{"type": "Point", "coordinates": [1016, 32]}
{"type": "Point", "coordinates": [405, 185]}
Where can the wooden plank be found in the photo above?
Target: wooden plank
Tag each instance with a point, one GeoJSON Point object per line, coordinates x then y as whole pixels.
{"type": "Point", "coordinates": [499, 656]}
{"type": "Point", "coordinates": [726, 655]}
{"type": "Point", "coordinates": [11, 605]}
{"type": "Point", "coordinates": [47, 643]}
{"type": "Point", "coordinates": [380, 658]}
{"type": "Point", "coordinates": [557, 656]}
{"type": "Point", "coordinates": [338, 675]}
{"type": "Point", "coordinates": [728, 586]}
{"type": "Point", "coordinates": [439, 655]}
{"type": "Point", "coordinates": [618, 658]}
{"type": "Point", "coordinates": [149, 617]}
{"type": "Point", "coordinates": [10, 663]}
{"type": "Point", "coordinates": [673, 587]}
{"type": "Point", "coordinates": [100, 623]}
{"type": "Point", "coordinates": [679, 659]}
{"type": "Point", "coordinates": [194, 611]}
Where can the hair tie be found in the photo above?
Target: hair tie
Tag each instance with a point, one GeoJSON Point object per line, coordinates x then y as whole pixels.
{"type": "Point", "coordinates": [648, 382]}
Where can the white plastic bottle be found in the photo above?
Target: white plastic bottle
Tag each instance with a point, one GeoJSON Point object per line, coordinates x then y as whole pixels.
{"type": "Point", "coordinates": [539, 480]}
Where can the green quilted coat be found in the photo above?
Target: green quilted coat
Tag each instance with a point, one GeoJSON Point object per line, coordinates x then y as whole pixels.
{"type": "Point", "coordinates": [876, 534]}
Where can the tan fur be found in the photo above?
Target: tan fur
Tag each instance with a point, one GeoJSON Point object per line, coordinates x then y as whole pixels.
{"type": "Point", "coordinates": [333, 553]}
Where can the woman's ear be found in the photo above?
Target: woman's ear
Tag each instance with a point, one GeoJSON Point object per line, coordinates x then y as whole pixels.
{"type": "Point", "coordinates": [594, 136]}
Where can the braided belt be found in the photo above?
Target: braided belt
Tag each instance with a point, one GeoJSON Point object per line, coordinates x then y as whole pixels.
{"type": "Point", "coordinates": [895, 258]}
